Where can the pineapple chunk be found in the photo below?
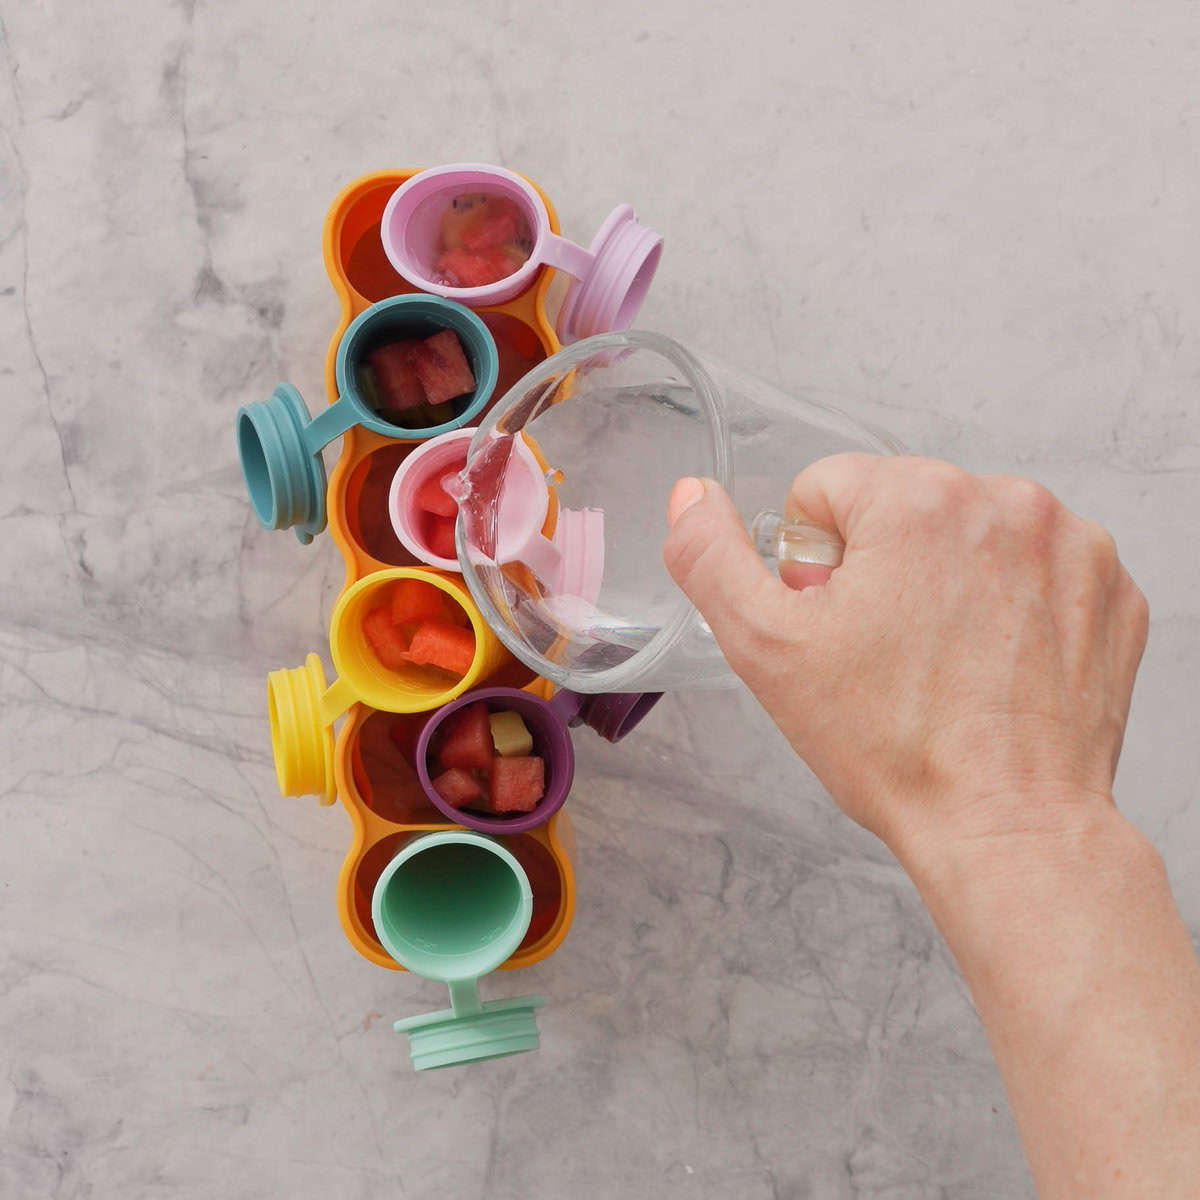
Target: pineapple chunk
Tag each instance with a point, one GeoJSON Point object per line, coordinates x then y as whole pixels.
{"type": "Point", "coordinates": [510, 735]}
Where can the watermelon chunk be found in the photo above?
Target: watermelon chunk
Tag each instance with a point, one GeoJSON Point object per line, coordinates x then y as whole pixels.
{"type": "Point", "coordinates": [496, 221]}
{"type": "Point", "coordinates": [466, 739]}
{"type": "Point", "coordinates": [441, 537]}
{"type": "Point", "coordinates": [440, 644]}
{"type": "Point", "coordinates": [396, 377]}
{"type": "Point", "coordinates": [464, 268]}
{"type": "Point", "coordinates": [458, 787]}
{"type": "Point", "coordinates": [517, 784]}
{"type": "Point", "coordinates": [414, 601]}
{"type": "Point", "coordinates": [462, 211]}
{"type": "Point", "coordinates": [385, 639]}
{"type": "Point", "coordinates": [443, 369]}
{"type": "Point", "coordinates": [432, 497]}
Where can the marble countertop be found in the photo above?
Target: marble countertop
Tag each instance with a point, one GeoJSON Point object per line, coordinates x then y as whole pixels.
{"type": "Point", "coordinates": [974, 225]}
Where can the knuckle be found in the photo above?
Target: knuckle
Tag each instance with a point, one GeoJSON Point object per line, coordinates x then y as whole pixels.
{"type": "Point", "coordinates": [1138, 610]}
{"type": "Point", "coordinates": [940, 487]}
{"type": "Point", "coordinates": [1100, 544]}
{"type": "Point", "coordinates": [1031, 503]}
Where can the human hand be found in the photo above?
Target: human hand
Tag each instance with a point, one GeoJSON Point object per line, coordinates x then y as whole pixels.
{"type": "Point", "coordinates": [966, 671]}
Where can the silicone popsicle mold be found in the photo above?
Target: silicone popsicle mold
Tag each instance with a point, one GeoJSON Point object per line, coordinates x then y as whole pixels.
{"type": "Point", "coordinates": [279, 445]}
{"type": "Point", "coordinates": [611, 277]}
{"type": "Point", "coordinates": [375, 764]}
{"type": "Point", "coordinates": [302, 708]}
{"type": "Point", "coordinates": [427, 464]}
{"type": "Point", "coordinates": [612, 716]}
{"type": "Point", "coordinates": [452, 906]}
{"type": "Point", "coordinates": [551, 742]}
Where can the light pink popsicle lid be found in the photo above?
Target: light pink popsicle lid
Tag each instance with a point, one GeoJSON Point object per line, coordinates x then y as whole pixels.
{"type": "Point", "coordinates": [610, 278]}
{"type": "Point", "coordinates": [507, 528]}
{"type": "Point", "coordinates": [625, 255]}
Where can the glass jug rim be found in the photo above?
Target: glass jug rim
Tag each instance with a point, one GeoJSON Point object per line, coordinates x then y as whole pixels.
{"type": "Point", "coordinates": [624, 676]}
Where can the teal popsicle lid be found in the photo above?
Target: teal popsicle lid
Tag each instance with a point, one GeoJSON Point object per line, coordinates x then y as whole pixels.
{"type": "Point", "coordinates": [452, 906]}
{"type": "Point", "coordinates": [500, 1028]}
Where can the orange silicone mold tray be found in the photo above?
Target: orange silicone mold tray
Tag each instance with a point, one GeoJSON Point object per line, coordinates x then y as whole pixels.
{"type": "Point", "coordinates": [373, 770]}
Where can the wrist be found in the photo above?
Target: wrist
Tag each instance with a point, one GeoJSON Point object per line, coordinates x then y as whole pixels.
{"type": "Point", "coordinates": [1009, 846]}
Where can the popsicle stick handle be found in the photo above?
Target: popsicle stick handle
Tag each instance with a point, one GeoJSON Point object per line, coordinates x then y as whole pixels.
{"type": "Point", "coordinates": [464, 997]}
{"type": "Point", "coordinates": [779, 540]}
{"type": "Point", "coordinates": [328, 424]}
{"type": "Point", "coordinates": [567, 256]}
{"type": "Point", "coordinates": [337, 699]}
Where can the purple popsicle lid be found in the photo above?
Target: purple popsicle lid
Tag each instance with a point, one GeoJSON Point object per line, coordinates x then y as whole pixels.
{"type": "Point", "coordinates": [551, 742]}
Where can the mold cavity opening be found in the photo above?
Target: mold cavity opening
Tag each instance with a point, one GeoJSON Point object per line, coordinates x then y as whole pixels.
{"type": "Point", "coordinates": [367, 506]}
{"type": "Point", "coordinates": [383, 769]}
{"type": "Point", "coordinates": [360, 250]}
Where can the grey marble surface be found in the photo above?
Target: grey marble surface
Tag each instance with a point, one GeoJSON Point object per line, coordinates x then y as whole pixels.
{"type": "Point", "coordinates": [974, 224]}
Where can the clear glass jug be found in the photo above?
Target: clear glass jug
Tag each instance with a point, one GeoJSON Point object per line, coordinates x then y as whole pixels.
{"type": "Point", "coordinates": [562, 505]}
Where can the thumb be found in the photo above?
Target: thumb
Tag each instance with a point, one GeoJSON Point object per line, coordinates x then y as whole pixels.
{"type": "Point", "coordinates": [710, 556]}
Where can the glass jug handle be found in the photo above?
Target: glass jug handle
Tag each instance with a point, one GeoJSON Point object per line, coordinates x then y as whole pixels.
{"type": "Point", "coordinates": [779, 540]}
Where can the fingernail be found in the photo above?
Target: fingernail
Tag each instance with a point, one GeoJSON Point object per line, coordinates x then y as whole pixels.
{"type": "Point", "coordinates": [683, 495]}
{"type": "Point", "coordinates": [799, 576]}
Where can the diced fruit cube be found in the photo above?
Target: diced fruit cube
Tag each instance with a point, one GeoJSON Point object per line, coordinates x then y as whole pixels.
{"type": "Point", "coordinates": [432, 497]}
{"type": "Point", "coordinates": [499, 220]}
{"type": "Point", "coordinates": [385, 639]}
{"type": "Point", "coordinates": [463, 268]}
{"type": "Point", "coordinates": [443, 369]}
{"type": "Point", "coordinates": [441, 537]}
{"type": "Point", "coordinates": [466, 739]}
{"type": "Point", "coordinates": [414, 601]}
{"type": "Point", "coordinates": [461, 212]}
{"type": "Point", "coordinates": [458, 787]}
{"type": "Point", "coordinates": [510, 735]}
{"type": "Point", "coordinates": [396, 376]}
{"type": "Point", "coordinates": [440, 644]}
{"type": "Point", "coordinates": [485, 237]}
{"type": "Point", "coordinates": [517, 784]}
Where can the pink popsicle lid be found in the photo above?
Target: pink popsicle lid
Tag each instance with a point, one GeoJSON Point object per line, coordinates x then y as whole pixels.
{"type": "Point", "coordinates": [625, 256]}
{"type": "Point", "coordinates": [610, 278]}
{"type": "Point", "coordinates": [506, 502]}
